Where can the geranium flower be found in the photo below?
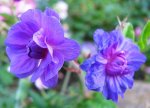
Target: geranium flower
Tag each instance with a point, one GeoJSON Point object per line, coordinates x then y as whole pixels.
{"type": "Point", "coordinates": [111, 70]}
{"type": "Point", "coordinates": [36, 46]}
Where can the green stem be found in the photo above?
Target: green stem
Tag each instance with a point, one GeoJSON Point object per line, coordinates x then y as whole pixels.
{"type": "Point", "coordinates": [65, 83]}
{"type": "Point", "coordinates": [85, 91]}
{"type": "Point", "coordinates": [81, 77]}
{"type": "Point", "coordinates": [21, 93]}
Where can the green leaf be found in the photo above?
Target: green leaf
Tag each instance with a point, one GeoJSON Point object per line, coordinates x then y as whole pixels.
{"type": "Point", "coordinates": [143, 41]}
{"type": "Point", "coordinates": [9, 19]}
{"type": "Point", "coordinates": [146, 32]}
{"type": "Point", "coordinates": [5, 77]}
{"type": "Point", "coordinates": [128, 31]}
{"type": "Point", "coordinates": [141, 44]}
{"type": "Point", "coordinates": [38, 100]}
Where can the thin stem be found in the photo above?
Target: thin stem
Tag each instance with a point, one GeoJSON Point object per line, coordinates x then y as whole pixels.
{"type": "Point", "coordinates": [66, 80]}
{"type": "Point", "coordinates": [21, 93]}
{"type": "Point", "coordinates": [86, 92]}
{"type": "Point", "coordinates": [65, 83]}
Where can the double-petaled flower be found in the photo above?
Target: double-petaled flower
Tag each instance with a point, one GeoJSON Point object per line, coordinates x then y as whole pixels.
{"type": "Point", "coordinates": [111, 70]}
{"type": "Point", "coordinates": [36, 46]}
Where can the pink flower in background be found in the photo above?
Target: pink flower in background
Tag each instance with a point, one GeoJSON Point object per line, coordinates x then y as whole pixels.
{"type": "Point", "coordinates": [16, 7]}
{"type": "Point", "coordinates": [138, 31]}
{"type": "Point", "coordinates": [24, 5]}
{"type": "Point", "coordinates": [66, 30]}
{"type": "Point", "coordinates": [1, 18]}
{"type": "Point", "coordinates": [62, 8]}
{"type": "Point", "coordinates": [4, 9]}
{"type": "Point", "coordinates": [147, 69]}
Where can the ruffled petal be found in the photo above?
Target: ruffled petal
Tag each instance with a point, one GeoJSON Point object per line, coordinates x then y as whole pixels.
{"type": "Point", "coordinates": [20, 62]}
{"type": "Point", "coordinates": [130, 49]}
{"type": "Point", "coordinates": [134, 62]}
{"type": "Point", "coordinates": [23, 75]}
{"type": "Point", "coordinates": [51, 13]}
{"type": "Point", "coordinates": [116, 37]}
{"type": "Point", "coordinates": [19, 50]}
{"type": "Point", "coordinates": [101, 38]}
{"type": "Point", "coordinates": [95, 81]}
{"type": "Point", "coordinates": [113, 84]}
{"type": "Point", "coordinates": [128, 79]}
{"type": "Point", "coordinates": [20, 34]}
{"type": "Point", "coordinates": [52, 30]}
{"type": "Point", "coordinates": [39, 38]}
{"type": "Point", "coordinates": [32, 15]}
{"type": "Point", "coordinates": [101, 59]}
{"type": "Point", "coordinates": [104, 39]}
{"type": "Point", "coordinates": [42, 68]}
{"type": "Point", "coordinates": [108, 94]}
{"type": "Point", "coordinates": [23, 65]}
{"type": "Point", "coordinates": [70, 49]}
{"type": "Point", "coordinates": [122, 83]}
{"type": "Point", "coordinates": [54, 67]}
{"type": "Point", "coordinates": [87, 63]}
{"type": "Point", "coordinates": [48, 68]}
{"type": "Point", "coordinates": [51, 82]}
{"type": "Point", "coordinates": [112, 96]}
{"type": "Point", "coordinates": [127, 46]}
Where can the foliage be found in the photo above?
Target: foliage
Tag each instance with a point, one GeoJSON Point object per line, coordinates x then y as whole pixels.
{"type": "Point", "coordinates": [87, 15]}
{"type": "Point", "coordinates": [84, 17]}
{"type": "Point", "coordinates": [55, 100]}
{"type": "Point", "coordinates": [143, 41]}
{"type": "Point", "coordinates": [128, 31]}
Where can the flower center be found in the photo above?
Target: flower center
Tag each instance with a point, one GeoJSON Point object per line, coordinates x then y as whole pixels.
{"type": "Point", "coordinates": [116, 64]}
{"type": "Point", "coordinates": [35, 51]}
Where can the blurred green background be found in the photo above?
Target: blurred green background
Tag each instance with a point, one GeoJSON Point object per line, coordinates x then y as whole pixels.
{"type": "Point", "coordinates": [80, 19]}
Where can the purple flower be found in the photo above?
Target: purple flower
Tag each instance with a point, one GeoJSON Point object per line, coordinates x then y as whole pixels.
{"type": "Point", "coordinates": [36, 46]}
{"type": "Point", "coordinates": [111, 70]}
